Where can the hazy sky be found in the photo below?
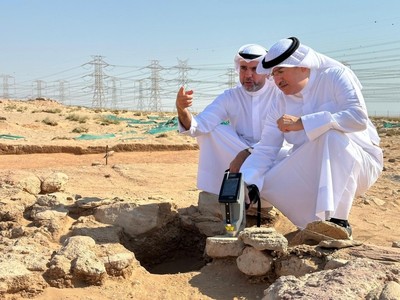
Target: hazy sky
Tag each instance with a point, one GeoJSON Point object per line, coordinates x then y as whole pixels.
{"type": "Point", "coordinates": [41, 38]}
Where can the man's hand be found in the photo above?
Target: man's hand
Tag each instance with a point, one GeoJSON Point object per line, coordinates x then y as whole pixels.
{"type": "Point", "coordinates": [288, 123]}
{"type": "Point", "coordinates": [184, 99]}
{"type": "Point", "coordinates": [238, 161]}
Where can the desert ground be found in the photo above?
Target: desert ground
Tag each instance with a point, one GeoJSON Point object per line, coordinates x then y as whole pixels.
{"type": "Point", "coordinates": [43, 136]}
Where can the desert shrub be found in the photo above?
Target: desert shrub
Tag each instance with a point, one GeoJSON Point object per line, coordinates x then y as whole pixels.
{"type": "Point", "coordinates": [10, 107]}
{"type": "Point", "coordinates": [52, 110]}
{"type": "Point", "coordinates": [106, 121]}
{"type": "Point", "coordinates": [77, 118]}
{"type": "Point", "coordinates": [74, 108]}
{"type": "Point", "coordinates": [22, 109]}
{"type": "Point", "coordinates": [50, 122]}
{"type": "Point", "coordinates": [80, 130]}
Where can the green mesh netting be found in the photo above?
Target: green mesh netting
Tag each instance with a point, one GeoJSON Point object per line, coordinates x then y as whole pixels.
{"type": "Point", "coordinates": [11, 137]}
{"type": "Point", "coordinates": [156, 118]}
{"type": "Point", "coordinates": [169, 125]}
{"type": "Point", "coordinates": [390, 125]}
{"type": "Point", "coordinates": [95, 137]}
{"type": "Point", "coordinates": [130, 120]}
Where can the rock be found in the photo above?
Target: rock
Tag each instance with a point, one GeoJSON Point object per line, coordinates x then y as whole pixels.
{"type": "Point", "coordinates": [208, 205]}
{"type": "Point", "coordinates": [25, 181]}
{"type": "Point", "coordinates": [338, 244]}
{"type": "Point", "coordinates": [88, 268]}
{"type": "Point", "coordinates": [117, 260]}
{"type": "Point", "coordinates": [15, 277]}
{"type": "Point", "coordinates": [297, 266]}
{"type": "Point", "coordinates": [30, 184]}
{"type": "Point", "coordinates": [264, 238]}
{"type": "Point", "coordinates": [136, 218]}
{"type": "Point", "coordinates": [254, 262]}
{"type": "Point", "coordinates": [354, 280]}
{"type": "Point", "coordinates": [76, 261]}
{"type": "Point", "coordinates": [320, 231]}
{"type": "Point", "coordinates": [100, 232]}
{"type": "Point", "coordinates": [224, 246]}
{"type": "Point", "coordinates": [210, 227]}
{"type": "Point", "coordinates": [54, 183]}
{"type": "Point", "coordinates": [396, 244]}
{"type": "Point", "coordinates": [391, 291]}
{"type": "Point", "coordinates": [13, 206]}
{"type": "Point", "coordinates": [335, 263]}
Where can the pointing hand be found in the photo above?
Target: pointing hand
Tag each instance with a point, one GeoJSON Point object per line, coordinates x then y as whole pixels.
{"type": "Point", "coordinates": [184, 99]}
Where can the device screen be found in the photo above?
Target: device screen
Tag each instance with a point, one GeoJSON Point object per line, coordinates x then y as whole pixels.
{"type": "Point", "coordinates": [230, 187]}
{"type": "Point", "coordinates": [229, 192]}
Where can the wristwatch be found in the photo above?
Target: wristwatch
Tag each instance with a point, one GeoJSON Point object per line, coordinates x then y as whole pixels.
{"type": "Point", "coordinates": [249, 150]}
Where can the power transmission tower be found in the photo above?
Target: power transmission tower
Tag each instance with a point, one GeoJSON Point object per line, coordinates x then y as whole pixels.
{"type": "Point", "coordinates": [40, 84]}
{"type": "Point", "coordinates": [231, 77]}
{"type": "Point", "coordinates": [183, 72]}
{"type": "Point", "coordinates": [155, 100]}
{"type": "Point", "coordinates": [140, 102]}
{"type": "Point", "coordinates": [98, 63]}
{"type": "Point", "coordinates": [6, 86]}
{"type": "Point", "coordinates": [61, 89]}
{"type": "Point", "coordinates": [114, 100]}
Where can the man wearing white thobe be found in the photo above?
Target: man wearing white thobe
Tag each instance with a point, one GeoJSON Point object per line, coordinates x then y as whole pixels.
{"type": "Point", "coordinates": [335, 154]}
{"type": "Point", "coordinates": [225, 146]}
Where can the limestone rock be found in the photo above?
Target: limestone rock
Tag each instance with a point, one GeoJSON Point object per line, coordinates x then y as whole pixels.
{"type": "Point", "coordinates": [135, 218]}
{"type": "Point", "coordinates": [354, 280]}
{"type": "Point", "coordinates": [224, 246]}
{"type": "Point", "coordinates": [297, 266]}
{"type": "Point", "coordinates": [264, 238]}
{"type": "Point", "coordinates": [15, 277]}
{"type": "Point", "coordinates": [55, 182]}
{"type": "Point", "coordinates": [254, 262]}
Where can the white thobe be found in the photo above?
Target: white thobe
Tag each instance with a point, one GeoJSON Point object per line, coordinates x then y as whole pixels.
{"type": "Point", "coordinates": [219, 143]}
{"type": "Point", "coordinates": [335, 158]}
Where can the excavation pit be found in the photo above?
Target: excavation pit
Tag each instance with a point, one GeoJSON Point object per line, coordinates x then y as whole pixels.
{"type": "Point", "coordinates": [169, 250]}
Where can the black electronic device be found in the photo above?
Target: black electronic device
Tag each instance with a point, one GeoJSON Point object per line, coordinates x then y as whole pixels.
{"type": "Point", "coordinates": [230, 188]}
{"type": "Point", "coordinates": [231, 199]}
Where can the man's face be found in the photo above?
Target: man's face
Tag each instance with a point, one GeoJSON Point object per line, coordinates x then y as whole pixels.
{"type": "Point", "coordinates": [290, 80]}
{"type": "Point", "coordinates": [248, 76]}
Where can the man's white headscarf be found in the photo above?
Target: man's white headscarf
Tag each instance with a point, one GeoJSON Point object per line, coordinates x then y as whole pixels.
{"type": "Point", "coordinates": [291, 53]}
{"type": "Point", "coordinates": [248, 53]}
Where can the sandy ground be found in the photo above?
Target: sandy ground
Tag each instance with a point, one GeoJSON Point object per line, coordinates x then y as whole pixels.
{"type": "Point", "coordinates": [170, 174]}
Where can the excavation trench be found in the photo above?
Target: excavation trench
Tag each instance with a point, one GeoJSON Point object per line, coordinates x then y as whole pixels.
{"type": "Point", "coordinates": [171, 249]}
